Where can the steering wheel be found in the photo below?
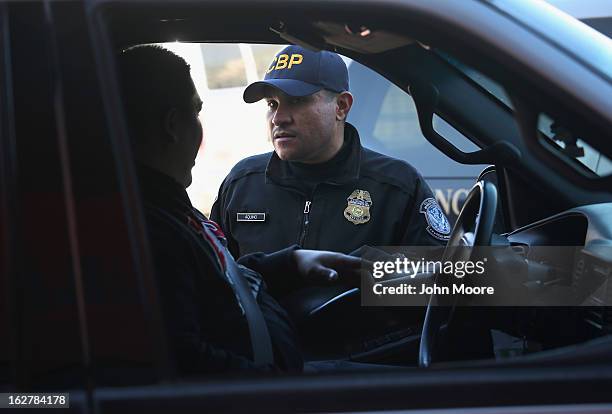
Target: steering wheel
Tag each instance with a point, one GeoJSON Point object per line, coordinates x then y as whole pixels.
{"type": "Point", "coordinates": [474, 227]}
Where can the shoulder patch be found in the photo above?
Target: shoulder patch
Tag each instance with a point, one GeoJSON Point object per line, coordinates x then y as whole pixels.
{"type": "Point", "coordinates": [437, 223]}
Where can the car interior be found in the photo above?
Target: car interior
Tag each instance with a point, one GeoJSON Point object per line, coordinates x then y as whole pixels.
{"type": "Point", "coordinates": [537, 191]}
{"type": "Point", "coordinates": [438, 86]}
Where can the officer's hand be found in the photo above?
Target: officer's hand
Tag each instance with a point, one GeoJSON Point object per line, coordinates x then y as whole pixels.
{"type": "Point", "coordinates": [324, 266]}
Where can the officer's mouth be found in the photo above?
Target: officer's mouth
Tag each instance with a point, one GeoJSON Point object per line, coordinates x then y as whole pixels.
{"type": "Point", "coordinates": [283, 137]}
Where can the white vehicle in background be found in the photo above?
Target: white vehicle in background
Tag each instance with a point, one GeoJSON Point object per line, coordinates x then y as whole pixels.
{"type": "Point", "coordinates": [384, 116]}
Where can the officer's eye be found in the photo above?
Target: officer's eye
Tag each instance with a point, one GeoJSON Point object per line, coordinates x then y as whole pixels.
{"type": "Point", "coordinates": [297, 100]}
{"type": "Point", "coordinates": [272, 104]}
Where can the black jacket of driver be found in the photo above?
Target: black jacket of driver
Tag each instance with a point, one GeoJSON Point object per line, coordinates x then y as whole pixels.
{"type": "Point", "coordinates": [207, 328]}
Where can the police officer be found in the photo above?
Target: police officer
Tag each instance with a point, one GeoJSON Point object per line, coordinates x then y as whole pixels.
{"type": "Point", "coordinates": [219, 315]}
{"type": "Point", "coordinates": [320, 188]}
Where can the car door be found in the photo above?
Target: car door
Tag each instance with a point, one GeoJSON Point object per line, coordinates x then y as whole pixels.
{"type": "Point", "coordinates": [41, 314]}
{"type": "Point", "coordinates": [81, 295]}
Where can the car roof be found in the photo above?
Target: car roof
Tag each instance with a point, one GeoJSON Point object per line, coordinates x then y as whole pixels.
{"type": "Point", "coordinates": [530, 34]}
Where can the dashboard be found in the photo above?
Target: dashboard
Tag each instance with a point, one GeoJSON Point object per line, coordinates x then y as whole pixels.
{"type": "Point", "coordinates": [568, 254]}
{"type": "Point", "coordinates": [575, 246]}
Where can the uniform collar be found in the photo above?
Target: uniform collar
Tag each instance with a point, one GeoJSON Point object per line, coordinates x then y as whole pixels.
{"type": "Point", "coordinates": [280, 172]}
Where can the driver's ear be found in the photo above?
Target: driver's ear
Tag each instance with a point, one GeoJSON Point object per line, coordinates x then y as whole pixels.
{"type": "Point", "coordinates": [344, 101]}
{"type": "Point", "coordinates": [170, 125]}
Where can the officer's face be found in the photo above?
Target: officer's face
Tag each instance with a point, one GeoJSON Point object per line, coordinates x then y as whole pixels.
{"type": "Point", "coordinates": [303, 129]}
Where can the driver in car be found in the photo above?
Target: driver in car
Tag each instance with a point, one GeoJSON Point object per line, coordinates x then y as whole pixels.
{"type": "Point", "coordinates": [219, 315]}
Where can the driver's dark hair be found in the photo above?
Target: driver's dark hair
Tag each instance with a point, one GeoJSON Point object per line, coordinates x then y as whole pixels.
{"type": "Point", "coordinates": [153, 80]}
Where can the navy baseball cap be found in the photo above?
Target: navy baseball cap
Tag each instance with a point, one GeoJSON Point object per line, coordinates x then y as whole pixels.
{"type": "Point", "coordinates": [300, 72]}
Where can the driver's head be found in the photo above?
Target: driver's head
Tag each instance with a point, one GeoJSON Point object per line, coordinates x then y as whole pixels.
{"type": "Point", "coordinates": [308, 102]}
{"type": "Point", "coordinates": [162, 107]}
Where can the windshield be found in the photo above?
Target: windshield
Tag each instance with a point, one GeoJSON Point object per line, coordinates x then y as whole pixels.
{"type": "Point", "coordinates": [556, 138]}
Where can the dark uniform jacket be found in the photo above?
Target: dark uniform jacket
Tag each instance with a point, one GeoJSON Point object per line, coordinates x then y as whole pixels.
{"type": "Point", "coordinates": [207, 327]}
{"type": "Point", "coordinates": [359, 197]}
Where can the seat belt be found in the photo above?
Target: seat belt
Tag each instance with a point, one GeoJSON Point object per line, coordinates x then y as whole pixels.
{"type": "Point", "coordinates": [258, 329]}
{"type": "Point", "coordinates": [261, 345]}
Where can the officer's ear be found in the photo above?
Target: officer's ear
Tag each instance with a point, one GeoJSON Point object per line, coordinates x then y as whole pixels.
{"type": "Point", "coordinates": [171, 124]}
{"type": "Point", "coordinates": [344, 101]}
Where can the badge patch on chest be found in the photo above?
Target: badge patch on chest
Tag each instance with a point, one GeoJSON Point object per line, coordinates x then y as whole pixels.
{"type": "Point", "coordinates": [437, 223]}
{"type": "Point", "coordinates": [256, 217]}
{"type": "Point", "coordinates": [358, 209]}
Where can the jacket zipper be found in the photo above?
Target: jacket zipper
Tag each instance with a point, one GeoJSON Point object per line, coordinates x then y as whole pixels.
{"type": "Point", "coordinates": [305, 222]}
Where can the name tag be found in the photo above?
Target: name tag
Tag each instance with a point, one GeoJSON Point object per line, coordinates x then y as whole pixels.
{"type": "Point", "coordinates": [251, 217]}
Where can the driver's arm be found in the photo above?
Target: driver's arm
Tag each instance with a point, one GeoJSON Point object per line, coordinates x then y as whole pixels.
{"type": "Point", "coordinates": [291, 268]}
{"type": "Point", "coordinates": [206, 329]}
{"type": "Point", "coordinates": [278, 269]}
{"type": "Point", "coordinates": [181, 301]}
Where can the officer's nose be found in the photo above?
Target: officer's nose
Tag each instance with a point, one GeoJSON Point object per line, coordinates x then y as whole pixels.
{"type": "Point", "coordinates": [282, 116]}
